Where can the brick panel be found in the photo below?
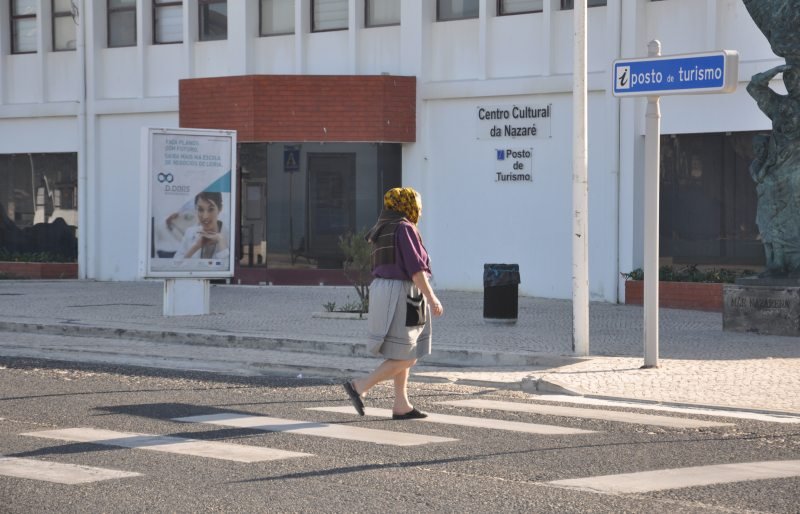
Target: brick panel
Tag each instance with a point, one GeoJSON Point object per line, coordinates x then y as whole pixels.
{"type": "Point", "coordinates": [679, 295]}
{"type": "Point", "coordinates": [317, 108]}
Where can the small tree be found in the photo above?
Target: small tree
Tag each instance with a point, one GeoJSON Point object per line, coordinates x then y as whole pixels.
{"type": "Point", "coordinates": [357, 263]}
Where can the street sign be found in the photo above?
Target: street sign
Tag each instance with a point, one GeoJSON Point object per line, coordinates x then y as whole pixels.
{"type": "Point", "coordinates": [714, 72]}
{"type": "Point", "coordinates": [653, 77]}
{"type": "Point", "coordinates": [291, 158]}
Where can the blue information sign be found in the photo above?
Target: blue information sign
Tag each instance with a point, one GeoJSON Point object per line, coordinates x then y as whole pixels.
{"type": "Point", "coordinates": [715, 72]}
{"type": "Point", "coordinates": [291, 158]}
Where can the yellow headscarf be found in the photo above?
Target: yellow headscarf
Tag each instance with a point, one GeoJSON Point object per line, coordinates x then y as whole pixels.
{"type": "Point", "coordinates": [403, 200]}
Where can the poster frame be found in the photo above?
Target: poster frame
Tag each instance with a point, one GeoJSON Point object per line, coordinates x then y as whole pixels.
{"type": "Point", "coordinates": [146, 240]}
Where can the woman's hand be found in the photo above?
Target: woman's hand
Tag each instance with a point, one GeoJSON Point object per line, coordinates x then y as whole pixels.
{"type": "Point", "coordinates": [436, 306]}
{"type": "Point", "coordinates": [420, 279]}
{"type": "Point", "coordinates": [212, 238]}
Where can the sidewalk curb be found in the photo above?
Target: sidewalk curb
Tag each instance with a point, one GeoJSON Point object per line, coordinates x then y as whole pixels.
{"type": "Point", "coordinates": [536, 383]}
{"type": "Point", "coordinates": [339, 347]}
{"type": "Point", "coordinates": [546, 384]}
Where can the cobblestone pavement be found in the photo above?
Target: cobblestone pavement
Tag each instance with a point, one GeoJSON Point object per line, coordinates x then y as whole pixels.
{"type": "Point", "coordinates": [700, 364]}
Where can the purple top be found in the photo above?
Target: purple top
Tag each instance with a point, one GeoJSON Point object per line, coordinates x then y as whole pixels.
{"type": "Point", "coordinates": [409, 255]}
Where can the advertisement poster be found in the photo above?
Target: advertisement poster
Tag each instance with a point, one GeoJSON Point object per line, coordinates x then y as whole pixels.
{"type": "Point", "coordinates": [190, 194]}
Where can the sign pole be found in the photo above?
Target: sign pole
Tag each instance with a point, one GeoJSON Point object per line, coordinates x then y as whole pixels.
{"type": "Point", "coordinates": [653, 77]}
{"type": "Point", "coordinates": [651, 222]}
{"type": "Point", "coordinates": [580, 193]}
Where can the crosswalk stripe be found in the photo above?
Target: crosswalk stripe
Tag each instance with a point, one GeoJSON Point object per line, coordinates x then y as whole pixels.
{"type": "Point", "coordinates": [335, 431]}
{"type": "Point", "coordinates": [59, 473]}
{"type": "Point", "coordinates": [195, 447]}
{"type": "Point", "coordinates": [464, 421]}
{"type": "Point", "coordinates": [720, 412]}
{"type": "Point", "coordinates": [576, 412]}
{"type": "Point", "coordinates": [659, 480]}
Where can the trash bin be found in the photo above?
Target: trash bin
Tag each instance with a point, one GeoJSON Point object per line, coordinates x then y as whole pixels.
{"type": "Point", "coordinates": [500, 292]}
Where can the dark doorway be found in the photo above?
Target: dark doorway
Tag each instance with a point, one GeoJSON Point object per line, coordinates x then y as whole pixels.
{"type": "Point", "coordinates": [331, 205]}
{"type": "Point", "coordinates": [708, 200]}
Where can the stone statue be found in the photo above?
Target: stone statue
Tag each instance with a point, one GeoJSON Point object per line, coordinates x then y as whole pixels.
{"type": "Point", "coordinates": [776, 168]}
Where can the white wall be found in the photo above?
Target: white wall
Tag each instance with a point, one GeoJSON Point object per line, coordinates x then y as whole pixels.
{"type": "Point", "coordinates": [116, 218]}
{"type": "Point", "coordinates": [379, 51]}
{"type": "Point", "coordinates": [35, 135]}
{"type": "Point", "coordinates": [472, 219]}
{"type": "Point", "coordinates": [23, 79]}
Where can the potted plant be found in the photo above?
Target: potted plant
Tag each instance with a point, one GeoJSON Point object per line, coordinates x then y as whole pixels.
{"type": "Point", "coordinates": [37, 265]}
{"type": "Point", "coordinates": [687, 287]}
{"type": "Point", "coordinates": [357, 268]}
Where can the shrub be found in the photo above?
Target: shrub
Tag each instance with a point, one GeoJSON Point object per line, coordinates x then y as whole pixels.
{"type": "Point", "coordinates": [691, 273]}
{"type": "Point", "coordinates": [357, 265]}
{"type": "Point", "coordinates": [8, 256]}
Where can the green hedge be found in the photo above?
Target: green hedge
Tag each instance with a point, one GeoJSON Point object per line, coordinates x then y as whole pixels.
{"type": "Point", "coordinates": [7, 256]}
{"type": "Point", "coordinates": [691, 274]}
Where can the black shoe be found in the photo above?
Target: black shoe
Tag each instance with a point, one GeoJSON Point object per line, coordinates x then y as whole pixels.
{"type": "Point", "coordinates": [355, 398]}
{"type": "Point", "coordinates": [412, 414]}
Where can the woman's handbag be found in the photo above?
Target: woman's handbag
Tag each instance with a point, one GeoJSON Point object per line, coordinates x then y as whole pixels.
{"type": "Point", "coordinates": [416, 313]}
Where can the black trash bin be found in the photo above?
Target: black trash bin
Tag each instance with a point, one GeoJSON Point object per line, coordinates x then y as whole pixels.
{"type": "Point", "coordinates": [500, 292]}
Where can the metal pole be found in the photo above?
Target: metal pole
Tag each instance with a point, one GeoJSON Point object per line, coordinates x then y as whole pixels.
{"type": "Point", "coordinates": [83, 182]}
{"type": "Point", "coordinates": [580, 193]}
{"type": "Point", "coordinates": [652, 156]}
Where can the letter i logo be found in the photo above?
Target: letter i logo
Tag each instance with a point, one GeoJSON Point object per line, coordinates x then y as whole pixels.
{"type": "Point", "coordinates": [623, 77]}
{"type": "Point", "coordinates": [501, 155]}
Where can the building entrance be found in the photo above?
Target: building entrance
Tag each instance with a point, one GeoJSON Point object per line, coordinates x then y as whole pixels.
{"type": "Point", "coordinates": [298, 199]}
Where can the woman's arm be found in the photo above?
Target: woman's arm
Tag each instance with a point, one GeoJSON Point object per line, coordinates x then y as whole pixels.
{"type": "Point", "coordinates": [420, 280]}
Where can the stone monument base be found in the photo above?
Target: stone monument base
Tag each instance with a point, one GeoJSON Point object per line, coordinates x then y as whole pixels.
{"type": "Point", "coordinates": [762, 306]}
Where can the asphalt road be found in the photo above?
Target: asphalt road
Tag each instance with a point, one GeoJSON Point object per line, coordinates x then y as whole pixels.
{"type": "Point", "coordinates": [478, 470]}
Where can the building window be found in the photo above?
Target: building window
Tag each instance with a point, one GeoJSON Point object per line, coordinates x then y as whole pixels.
{"type": "Point", "coordinates": [505, 7]}
{"type": "Point", "coordinates": [213, 20]}
{"type": "Point", "coordinates": [42, 189]}
{"type": "Point", "coordinates": [277, 17]}
{"type": "Point", "coordinates": [167, 21]}
{"type": "Point", "coordinates": [23, 26]}
{"type": "Point", "coordinates": [380, 13]}
{"type": "Point", "coordinates": [570, 4]}
{"type": "Point", "coordinates": [447, 10]}
{"type": "Point", "coordinates": [63, 25]}
{"type": "Point", "coordinates": [121, 23]}
{"type": "Point", "coordinates": [329, 15]}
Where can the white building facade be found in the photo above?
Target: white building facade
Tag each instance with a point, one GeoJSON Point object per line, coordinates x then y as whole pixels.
{"type": "Point", "coordinates": [79, 79]}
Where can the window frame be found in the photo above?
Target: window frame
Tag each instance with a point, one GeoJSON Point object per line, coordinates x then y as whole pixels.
{"type": "Point", "coordinates": [156, 6]}
{"type": "Point", "coordinates": [501, 13]}
{"type": "Point", "coordinates": [60, 14]}
{"type": "Point", "coordinates": [200, 4]}
{"type": "Point", "coordinates": [367, 24]}
{"type": "Point", "coordinates": [13, 26]}
{"type": "Point", "coordinates": [109, 11]}
{"type": "Point", "coordinates": [261, 32]}
{"type": "Point", "coordinates": [564, 3]}
{"type": "Point", "coordinates": [439, 17]}
{"type": "Point", "coordinates": [315, 30]}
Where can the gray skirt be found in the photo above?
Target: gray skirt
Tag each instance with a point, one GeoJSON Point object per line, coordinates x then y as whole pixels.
{"type": "Point", "coordinates": [388, 334]}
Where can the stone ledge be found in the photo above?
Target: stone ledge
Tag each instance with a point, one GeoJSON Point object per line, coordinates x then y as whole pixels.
{"type": "Point", "coordinates": [40, 270]}
{"type": "Point", "coordinates": [761, 309]}
{"type": "Point", "coordinates": [339, 315]}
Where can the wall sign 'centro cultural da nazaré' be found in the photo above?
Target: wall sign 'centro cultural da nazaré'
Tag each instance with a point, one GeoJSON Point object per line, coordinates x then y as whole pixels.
{"type": "Point", "coordinates": [503, 121]}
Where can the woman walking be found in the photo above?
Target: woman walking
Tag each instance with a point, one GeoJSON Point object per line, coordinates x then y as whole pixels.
{"type": "Point", "coordinates": [401, 301]}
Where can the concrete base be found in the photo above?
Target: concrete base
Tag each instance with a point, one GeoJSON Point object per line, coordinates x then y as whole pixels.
{"type": "Point", "coordinates": [762, 306]}
{"type": "Point", "coordinates": [186, 296]}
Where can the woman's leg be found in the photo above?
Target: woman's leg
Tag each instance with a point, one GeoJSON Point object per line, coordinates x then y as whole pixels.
{"type": "Point", "coordinates": [401, 403]}
{"type": "Point", "coordinates": [388, 369]}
